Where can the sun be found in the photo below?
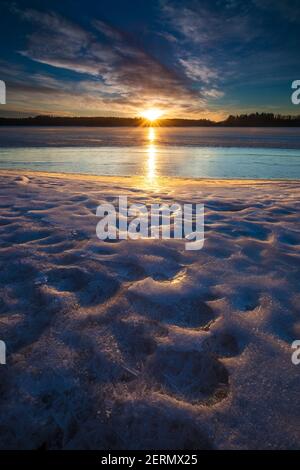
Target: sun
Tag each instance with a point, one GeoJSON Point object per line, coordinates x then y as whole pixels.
{"type": "Point", "coordinates": [152, 114]}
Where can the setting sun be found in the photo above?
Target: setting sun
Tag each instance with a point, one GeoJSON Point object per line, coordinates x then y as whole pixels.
{"type": "Point", "coordinates": [152, 114]}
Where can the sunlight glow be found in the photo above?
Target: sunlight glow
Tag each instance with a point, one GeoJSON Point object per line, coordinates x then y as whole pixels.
{"type": "Point", "coordinates": [151, 173]}
{"type": "Point", "coordinates": [152, 114]}
{"type": "Point", "coordinates": [151, 134]}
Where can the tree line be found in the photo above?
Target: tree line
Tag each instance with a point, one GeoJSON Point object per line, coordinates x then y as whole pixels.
{"type": "Point", "coordinates": [241, 120]}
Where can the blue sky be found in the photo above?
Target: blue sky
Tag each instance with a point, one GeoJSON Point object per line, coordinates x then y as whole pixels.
{"type": "Point", "coordinates": [192, 58]}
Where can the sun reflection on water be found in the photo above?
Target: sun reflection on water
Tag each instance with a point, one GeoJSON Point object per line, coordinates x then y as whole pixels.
{"type": "Point", "coordinates": [151, 134]}
{"type": "Point", "coordinates": [151, 162]}
{"type": "Point", "coordinates": [151, 155]}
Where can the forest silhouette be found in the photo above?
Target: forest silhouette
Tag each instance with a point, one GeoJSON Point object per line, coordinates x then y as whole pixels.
{"type": "Point", "coordinates": [241, 120]}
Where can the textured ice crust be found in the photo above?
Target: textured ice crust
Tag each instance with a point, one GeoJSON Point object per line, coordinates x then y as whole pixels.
{"type": "Point", "coordinates": [142, 344]}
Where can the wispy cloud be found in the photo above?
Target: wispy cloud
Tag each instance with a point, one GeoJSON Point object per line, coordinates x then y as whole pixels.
{"type": "Point", "coordinates": [198, 71]}
{"type": "Point", "coordinates": [193, 58]}
{"type": "Point", "coordinates": [200, 24]}
{"type": "Point", "coordinates": [113, 68]}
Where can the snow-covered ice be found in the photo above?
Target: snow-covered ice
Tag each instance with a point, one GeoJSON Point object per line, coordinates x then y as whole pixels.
{"type": "Point", "coordinates": [141, 344]}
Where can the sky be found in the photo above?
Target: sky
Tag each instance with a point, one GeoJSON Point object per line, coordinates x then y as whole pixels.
{"type": "Point", "coordinates": [191, 59]}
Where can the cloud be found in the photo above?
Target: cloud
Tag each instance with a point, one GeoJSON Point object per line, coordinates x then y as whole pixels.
{"type": "Point", "coordinates": [111, 67]}
{"type": "Point", "coordinates": [60, 43]}
{"type": "Point", "coordinates": [231, 43]}
{"type": "Point", "coordinates": [197, 30]}
{"type": "Point", "coordinates": [200, 24]}
{"type": "Point", "coordinates": [199, 52]}
{"type": "Point", "coordinates": [213, 93]}
{"type": "Point", "coordinates": [197, 70]}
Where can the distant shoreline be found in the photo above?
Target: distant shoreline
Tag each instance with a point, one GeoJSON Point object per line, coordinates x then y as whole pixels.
{"type": "Point", "coordinates": [244, 120]}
